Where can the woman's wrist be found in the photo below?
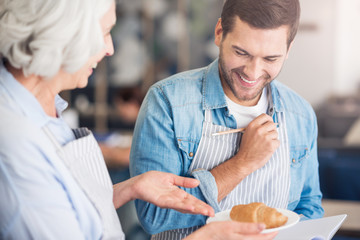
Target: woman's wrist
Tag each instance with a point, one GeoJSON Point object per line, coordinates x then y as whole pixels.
{"type": "Point", "coordinates": [124, 192]}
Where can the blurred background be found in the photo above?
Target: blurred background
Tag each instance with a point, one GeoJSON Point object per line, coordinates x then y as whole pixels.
{"type": "Point", "coordinates": [154, 39]}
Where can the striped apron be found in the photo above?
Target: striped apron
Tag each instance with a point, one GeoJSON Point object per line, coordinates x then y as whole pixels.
{"type": "Point", "coordinates": [84, 160]}
{"type": "Point", "coordinates": [269, 184]}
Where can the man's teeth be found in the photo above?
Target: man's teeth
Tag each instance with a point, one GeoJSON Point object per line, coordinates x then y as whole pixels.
{"type": "Point", "coordinates": [94, 65]}
{"type": "Point", "coordinates": [247, 81]}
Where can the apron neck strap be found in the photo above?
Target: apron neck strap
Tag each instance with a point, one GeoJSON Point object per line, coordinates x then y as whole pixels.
{"type": "Point", "coordinates": [52, 138]}
{"type": "Point", "coordinates": [208, 117]}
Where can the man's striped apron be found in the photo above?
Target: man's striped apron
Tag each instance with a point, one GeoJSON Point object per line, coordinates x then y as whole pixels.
{"type": "Point", "coordinates": [269, 184]}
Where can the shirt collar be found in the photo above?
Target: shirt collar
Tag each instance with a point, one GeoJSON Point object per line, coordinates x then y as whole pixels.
{"type": "Point", "coordinates": [275, 97]}
{"type": "Point", "coordinates": [25, 101]}
{"type": "Point", "coordinates": [214, 96]}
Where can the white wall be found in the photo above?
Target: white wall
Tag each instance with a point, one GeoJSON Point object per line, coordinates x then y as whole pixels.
{"type": "Point", "coordinates": [324, 59]}
{"type": "Point", "coordinates": [347, 43]}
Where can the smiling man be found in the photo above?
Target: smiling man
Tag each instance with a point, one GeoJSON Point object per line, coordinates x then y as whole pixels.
{"type": "Point", "coordinates": [273, 161]}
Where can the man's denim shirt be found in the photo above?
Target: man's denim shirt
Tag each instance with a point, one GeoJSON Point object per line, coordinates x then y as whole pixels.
{"type": "Point", "coordinates": [168, 132]}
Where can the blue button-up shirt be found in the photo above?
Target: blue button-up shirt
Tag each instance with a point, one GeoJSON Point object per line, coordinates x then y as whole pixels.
{"type": "Point", "coordinates": [168, 132]}
{"type": "Point", "coordinates": [39, 198]}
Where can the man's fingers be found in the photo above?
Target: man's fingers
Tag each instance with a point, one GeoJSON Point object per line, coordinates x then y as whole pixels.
{"type": "Point", "coordinates": [253, 231]}
{"type": "Point", "coordinates": [273, 135]}
{"type": "Point", "coordinates": [262, 119]}
{"type": "Point", "coordinates": [270, 126]}
{"type": "Point", "coordinates": [267, 236]}
{"type": "Point", "coordinates": [239, 227]}
{"type": "Point", "coordinates": [248, 228]}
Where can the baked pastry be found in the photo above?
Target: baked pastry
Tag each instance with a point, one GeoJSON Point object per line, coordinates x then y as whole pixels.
{"type": "Point", "coordinates": [258, 213]}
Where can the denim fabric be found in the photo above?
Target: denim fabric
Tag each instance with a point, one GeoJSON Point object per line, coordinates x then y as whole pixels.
{"type": "Point", "coordinates": [168, 132]}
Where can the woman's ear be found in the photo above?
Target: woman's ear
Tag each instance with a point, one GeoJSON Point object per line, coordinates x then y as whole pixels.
{"type": "Point", "coordinates": [218, 33]}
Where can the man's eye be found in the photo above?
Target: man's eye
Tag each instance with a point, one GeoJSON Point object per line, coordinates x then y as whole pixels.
{"type": "Point", "coordinates": [270, 59]}
{"type": "Point", "coordinates": [241, 53]}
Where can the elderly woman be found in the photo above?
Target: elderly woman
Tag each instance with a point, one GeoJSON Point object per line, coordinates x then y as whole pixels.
{"type": "Point", "coordinates": [53, 180]}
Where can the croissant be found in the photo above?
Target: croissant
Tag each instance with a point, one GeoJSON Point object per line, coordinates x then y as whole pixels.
{"type": "Point", "coordinates": [258, 213]}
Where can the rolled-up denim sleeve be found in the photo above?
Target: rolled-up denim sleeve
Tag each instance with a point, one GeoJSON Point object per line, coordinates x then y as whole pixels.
{"type": "Point", "coordinates": [154, 147]}
{"type": "Point", "coordinates": [208, 187]}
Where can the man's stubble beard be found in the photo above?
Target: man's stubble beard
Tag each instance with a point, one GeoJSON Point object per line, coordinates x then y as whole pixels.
{"type": "Point", "coordinates": [231, 83]}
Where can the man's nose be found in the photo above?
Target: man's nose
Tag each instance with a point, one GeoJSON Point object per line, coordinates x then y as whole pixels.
{"type": "Point", "coordinates": [253, 69]}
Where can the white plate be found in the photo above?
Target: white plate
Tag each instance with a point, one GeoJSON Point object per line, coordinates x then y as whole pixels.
{"type": "Point", "coordinates": [293, 218]}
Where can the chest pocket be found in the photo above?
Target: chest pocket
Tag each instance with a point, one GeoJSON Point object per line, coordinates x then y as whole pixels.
{"type": "Point", "coordinates": [188, 149]}
{"type": "Point", "coordinates": [298, 154]}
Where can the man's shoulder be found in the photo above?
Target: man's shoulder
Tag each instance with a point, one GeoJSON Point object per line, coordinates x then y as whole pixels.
{"type": "Point", "coordinates": [182, 87]}
{"type": "Point", "coordinates": [291, 100]}
{"type": "Point", "coordinates": [190, 78]}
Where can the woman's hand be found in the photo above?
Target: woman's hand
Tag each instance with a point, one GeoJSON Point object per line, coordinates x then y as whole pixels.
{"type": "Point", "coordinates": [231, 230]}
{"type": "Point", "coordinates": [162, 189]}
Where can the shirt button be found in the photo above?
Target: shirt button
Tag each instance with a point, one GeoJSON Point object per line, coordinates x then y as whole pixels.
{"type": "Point", "coordinates": [293, 160]}
{"type": "Point", "coordinates": [191, 154]}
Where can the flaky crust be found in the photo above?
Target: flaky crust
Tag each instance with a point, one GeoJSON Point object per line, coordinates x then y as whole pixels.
{"type": "Point", "coordinates": [258, 213]}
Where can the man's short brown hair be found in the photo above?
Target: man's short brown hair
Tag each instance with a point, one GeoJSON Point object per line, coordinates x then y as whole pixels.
{"type": "Point", "coordinates": [262, 14]}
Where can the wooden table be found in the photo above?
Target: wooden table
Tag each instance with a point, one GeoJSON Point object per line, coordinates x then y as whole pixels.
{"type": "Point", "coordinates": [351, 225]}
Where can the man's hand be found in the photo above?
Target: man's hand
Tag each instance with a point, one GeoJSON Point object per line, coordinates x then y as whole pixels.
{"type": "Point", "coordinates": [231, 230]}
{"type": "Point", "coordinates": [162, 189]}
{"type": "Point", "coordinates": [258, 144]}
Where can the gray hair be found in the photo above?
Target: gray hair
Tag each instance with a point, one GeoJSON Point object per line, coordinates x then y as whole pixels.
{"type": "Point", "coordinates": [42, 36]}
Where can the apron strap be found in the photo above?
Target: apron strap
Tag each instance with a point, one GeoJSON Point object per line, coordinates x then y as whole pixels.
{"type": "Point", "coordinates": [271, 109]}
{"type": "Point", "coordinates": [85, 163]}
{"type": "Point", "coordinates": [208, 117]}
{"type": "Point", "coordinates": [52, 138]}
{"type": "Point", "coordinates": [81, 132]}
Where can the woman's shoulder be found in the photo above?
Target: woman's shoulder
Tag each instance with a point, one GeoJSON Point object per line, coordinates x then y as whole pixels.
{"type": "Point", "coordinates": [21, 139]}
{"type": "Point", "coordinates": [14, 125]}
